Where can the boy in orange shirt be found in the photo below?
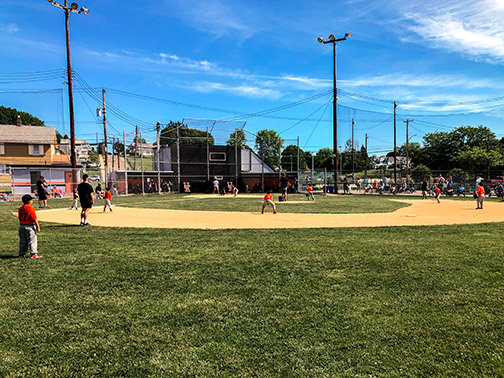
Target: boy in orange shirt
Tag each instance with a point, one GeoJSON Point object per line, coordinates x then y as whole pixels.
{"type": "Point", "coordinates": [108, 200]}
{"type": "Point", "coordinates": [309, 193]}
{"type": "Point", "coordinates": [28, 228]}
{"type": "Point", "coordinates": [268, 200]}
{"type": "Point", "coordinates": [480, 192]}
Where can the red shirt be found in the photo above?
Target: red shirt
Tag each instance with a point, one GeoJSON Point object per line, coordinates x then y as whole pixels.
{"type": "Point", "coordinates": [438, 191]}
{"type": "Point", "coordinates": [480, 191]}
{"type": "Point", "coordinates": [107, 195]}
{"type": "Point", "coordinates": [310, 189]}
{"type": "Point", "coordinates": [27, 215]}
{"type": "Point", "coordinates": [268, 196]}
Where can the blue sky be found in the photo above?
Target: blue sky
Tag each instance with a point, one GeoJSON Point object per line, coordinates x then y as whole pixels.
{"type": "Point", "coordinates": [441, 61]}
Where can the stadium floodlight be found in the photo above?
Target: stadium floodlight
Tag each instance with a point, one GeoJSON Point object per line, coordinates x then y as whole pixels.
{"type": "Point", "coordinates": [84, 10]}
{"type": "Point", "coordinates": [74, 6]}
{"type": "Point", "coordinates": [332, 39]}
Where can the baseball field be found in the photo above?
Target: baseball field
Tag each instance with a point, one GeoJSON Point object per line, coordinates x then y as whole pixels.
{"type": "Point", "coordinates": [178, 285]}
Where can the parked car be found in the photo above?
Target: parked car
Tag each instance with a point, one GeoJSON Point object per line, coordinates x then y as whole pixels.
{"type": "Point", "coordinates": [94, 178]}
{"type": "Point", "coordinates": [93, 165]}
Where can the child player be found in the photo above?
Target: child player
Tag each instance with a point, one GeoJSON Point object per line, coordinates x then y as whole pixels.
{"type": "Point", "coordinates": [309, 193]}
{"type": "Point", "coordinates": [75, 200]}
{"type": "Point", "coordinates": [438, 193]}
{"type": "Point", "coordinates": [268, 200]}
{"type": "Point", "coordinates": [108, 200]}
{"type": "Point", "coordinates": [28, 228]}
{"type": "Point", "coordinates": [235, 190]}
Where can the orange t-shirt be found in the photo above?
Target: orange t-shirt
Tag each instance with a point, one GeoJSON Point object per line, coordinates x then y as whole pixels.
{"type": "Point", "coordinates": [27, 215]}
{"type": "Point", "coordinates": [268, 196]}
{"type": "Point", "coordinates": [310, 189]}
{"type": "Point", "coordinates": [438, 190]}
{"type": "Point", "coordinates": [108, 195]}
{"type": "Point", "coordinates": [480, 191]}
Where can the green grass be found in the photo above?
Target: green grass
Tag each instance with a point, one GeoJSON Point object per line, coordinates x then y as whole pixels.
{"type": "Point", "coordinates": [322, 204]}
{"type": "Point", "coordinates": [388, 302]}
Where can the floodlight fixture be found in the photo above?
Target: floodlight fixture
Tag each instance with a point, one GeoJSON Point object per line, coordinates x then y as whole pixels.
{"type": "Point", "coordinates": [332, 38]}
{"type": "Point", "coordinates": [320, 39]}
{"type": "Point", "coordinates": [74, 6]}
{"type": "Point", "coordinates": [84, 10]}
{"type": "Point", "coordinates": [348, 35]}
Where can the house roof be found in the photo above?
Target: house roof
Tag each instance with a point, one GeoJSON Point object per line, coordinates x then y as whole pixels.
{"type": "Point", "coordinates": [27, 134]}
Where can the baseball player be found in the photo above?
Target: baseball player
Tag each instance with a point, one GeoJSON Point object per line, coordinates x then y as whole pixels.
{"type": "Point", "coordinates": [235, 190]}
{"type": "Point", "coordinates": [108, 200]}
{"type": "Point", "coordinates": [268, 200]}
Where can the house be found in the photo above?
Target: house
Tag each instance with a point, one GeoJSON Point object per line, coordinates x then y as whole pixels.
{"type": "Point", "coordinates": [82, 149]}
{"type": "Point", "coordinates": [27, 152]}
{"type": "Point", "coordinates": [146, 149]}
{"type": "Point", "coordinates": [388, 161]}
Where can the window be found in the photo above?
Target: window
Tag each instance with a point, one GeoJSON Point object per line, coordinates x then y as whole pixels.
{"type": "Point", "coordinates": [217, 156]}
{"type": "Point", "coordinates": [36, 149]}
{"type": "Point", "coordinates": [2, 149]}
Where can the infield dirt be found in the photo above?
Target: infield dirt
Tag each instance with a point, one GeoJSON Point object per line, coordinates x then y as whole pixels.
{"type": "Point", "coordinates": [418, 212]}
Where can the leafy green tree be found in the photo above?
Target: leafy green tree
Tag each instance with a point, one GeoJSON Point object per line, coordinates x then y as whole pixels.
{"type": "Point", "coordinates": [140, 140]}
{"type": "Point", "coordinates": [458, 175]}
{"type": "Point", "coordinates": [241, 138]}
{"type": "Point", "coordinates": [93, 158]}
{"type": "Point", "coordinates": [268, 145]}
{"type": "Point", "coordinates": [8, 116]}
{"type": "Point", "coordinates": [324, 158]}
{"type": "Point", "coordinates": [118, 148]}
{"type": "Point", "coordinates": [290, 153]}
{"type": "Point", "coordinates": [415, 152]}
{"type": "Point", "coordinates": [187, 135]}
{"type": "Point", "coordinates": [420, 172]}
{"type": "Point", "coordinates": [479, 159]}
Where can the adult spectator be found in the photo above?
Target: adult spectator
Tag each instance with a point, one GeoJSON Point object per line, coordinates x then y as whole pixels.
{"type": "Point", "coordinates": [215, 186]}
{"type": "Point", "coordinates": [86, 199]}
{"type": "Point", "coordinates": [425, 185]}
{"type": "Point", "coordinates": [284, 185]}
{"type": "Point", "coordinates": [41, 192]}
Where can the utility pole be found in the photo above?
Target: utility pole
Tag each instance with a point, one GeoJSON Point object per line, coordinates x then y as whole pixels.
{"type": "Point", "coordinates": [178, 157]}
{"type": "Point", "coordinates": [136, 148]}
{"type": "Point", "coordinates": [158, 129]}
{"type": "Point", "coordinates": [125, 164]}
{"type": "Point", "coordinates": [407, 147]}
{"type": "Point", "coordinates": [73, 156]}
{"type": "Point", "coordinates": [113, 152]}
{"type": "Point", "coordinates": [142, 166]}
{"type": "Point", "coordinates": [118, 155]}
{"type": "Point", "coordinates": [395, 144]}
{"type": "Point", "coordinates": [105, 136]}
{"type": "Point", "coordinates": [353, 150]}
{"type": "Point", "coordinates": [365, 168]}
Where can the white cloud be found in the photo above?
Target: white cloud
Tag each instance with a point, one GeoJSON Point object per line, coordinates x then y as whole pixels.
{"type": "Point", "coordinates": [9, 28]}
{"type": "Point", "coordinates": [472, 28]}
{"type": "Point", "coordinates": [240, 90]}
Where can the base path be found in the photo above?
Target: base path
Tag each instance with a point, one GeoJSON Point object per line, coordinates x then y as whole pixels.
{"type": "Point", "coordinates": [426, 212]}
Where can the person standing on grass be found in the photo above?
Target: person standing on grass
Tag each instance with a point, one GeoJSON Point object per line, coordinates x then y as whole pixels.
{"type": "Point", "coordinates": [28, 228]}
{"type": "Point", "coordinates": [86, 198]}
{"type": "Point", "coordinates": [425, 184]}
{"type": "Point", "coordinates": [480, 196]}
{"type": "Point", "coordinates": [215, 186]}
{"type": "Point", "coordinates": [309, 193]}
{"type": "Point", "coordinates": [268, 200]}
{"type": "Point", "coordinates": [284, 186]}
{"type": "Point", "coordinates": [41, 192]}
{"type": "Point", "coordinates": [75, 199]}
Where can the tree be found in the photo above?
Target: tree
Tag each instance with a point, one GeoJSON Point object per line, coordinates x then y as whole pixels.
{"type": "Point", "coordinates": [241, 138]}
{"type": "Point", "coordinates": [187, 135]}
{"type": "Point", "coordinates": [290, 154]}
{"type": "Point", "coordinates": [268, 145]}
{"type": "Point", "coordinates": [8, 116]}
{"type": "Point", "coordinates": [458, 175]}
{"type": "Point", "coordinates": [118, 148]}
{"type": "Point", "coordinates": [420, 172]}
{"type": "Point", "coordinates": [140, 140]}
{"type": "Point", "coordinates": [324, 158]}
{"type": "Point", "coordinates": [479, 159]}
{"type": "Point", "coordinates": [415, 152]}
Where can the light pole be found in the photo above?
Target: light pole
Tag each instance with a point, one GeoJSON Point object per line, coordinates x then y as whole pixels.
{"type": "Point", "coordinates": [332, 39]}
{"type": "Point", "coordinates": [74, 8]}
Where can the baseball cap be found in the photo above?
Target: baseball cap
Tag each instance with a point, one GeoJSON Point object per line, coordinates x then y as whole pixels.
{"type": "Point", "coordinates": [26, 198]}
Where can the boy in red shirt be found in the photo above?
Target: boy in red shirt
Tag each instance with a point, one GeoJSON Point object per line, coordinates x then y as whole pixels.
{"type": "Point", "coordinates": [268, 200]}
{"type": "Point", "coordinates": [309, 193]}
{"type": "Point", "coordinates": [108, 200]}
{"type": "Point", "coordinates": [28, 228]}
{"type": "Point", "coordinates": [438, 193]}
